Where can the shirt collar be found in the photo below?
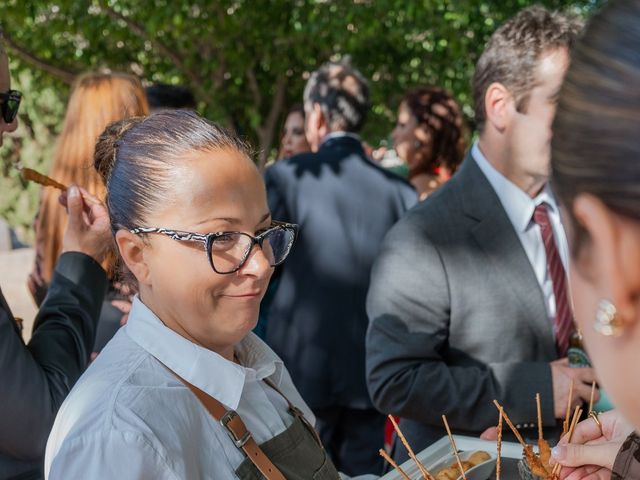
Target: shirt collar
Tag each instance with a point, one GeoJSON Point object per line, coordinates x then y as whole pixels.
{"type": "Point", "coordinates": [333, 135]}
{"type": "Point", "coordinates": [210, 372]}
{"type": "Point", "coordinates": [518, 205]}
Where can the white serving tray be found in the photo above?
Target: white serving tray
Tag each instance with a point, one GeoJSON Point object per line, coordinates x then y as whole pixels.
{"type": "Point", "coordinates": [432, 455]}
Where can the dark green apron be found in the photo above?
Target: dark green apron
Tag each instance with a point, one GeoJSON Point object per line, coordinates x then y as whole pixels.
{"type": "Point", "coordinates": [297, 452]}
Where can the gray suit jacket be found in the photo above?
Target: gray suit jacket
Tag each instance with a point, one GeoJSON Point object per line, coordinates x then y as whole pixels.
{"type": "Point", "coordinates": [36, 378]}
{"type": "Point", "coordinates": [457, 317]}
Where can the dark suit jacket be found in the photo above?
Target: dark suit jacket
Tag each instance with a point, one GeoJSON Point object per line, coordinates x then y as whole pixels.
{"type": "Point", "coordinates": [457, 317]}
{"type": "Point", "coordinates": [344, 204]}
{"type": "Point", "coordinates": [37, 377]}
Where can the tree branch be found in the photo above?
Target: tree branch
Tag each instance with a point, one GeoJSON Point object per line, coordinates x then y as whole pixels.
{"type": "Point", "coordinates": [174, 56]}
{"type": "Point", "coordinates": [267, 132]}
{"type": "Point", "coordinates": [65, 75]}
{"type": "Point", "coordinates": [253, 86]}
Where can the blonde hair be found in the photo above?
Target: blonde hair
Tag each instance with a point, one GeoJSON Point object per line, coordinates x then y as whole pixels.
{"type": "Point", "coordinates": [96, 101]}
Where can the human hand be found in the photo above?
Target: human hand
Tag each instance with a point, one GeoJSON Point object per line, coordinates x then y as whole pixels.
{"type": "Point", "coordinates": [125, 307]}
{"type": "Point", "coordinates": [88, 227]}
{"type": "Point", "coordinates": [592, 451]}
{"type": "Point", "coordinates": [561, 376]}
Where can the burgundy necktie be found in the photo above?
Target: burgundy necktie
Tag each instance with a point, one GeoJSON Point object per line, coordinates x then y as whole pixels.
{"type": "Point", "coordinates": [564, 317]}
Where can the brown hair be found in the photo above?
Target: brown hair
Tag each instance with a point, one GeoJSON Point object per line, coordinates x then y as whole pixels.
{"type": "Point", "coordinates": [513, 51]}
{"type": "Point", "coordinates": [96, 101]}
{"type": "Point", "coordinates": [437, 110]}
{"type": "Point", "coordinates": [596, 146]}
{"type": "Point", "coordinates": [136, 157]}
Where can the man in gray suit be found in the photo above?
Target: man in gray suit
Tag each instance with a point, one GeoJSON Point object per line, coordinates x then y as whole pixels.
{"type": "Point", "coordinates": [467, 303]}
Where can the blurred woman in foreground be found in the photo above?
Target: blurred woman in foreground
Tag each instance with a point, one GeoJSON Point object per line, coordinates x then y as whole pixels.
{"type": "Point", "coordinates": [596, 174]}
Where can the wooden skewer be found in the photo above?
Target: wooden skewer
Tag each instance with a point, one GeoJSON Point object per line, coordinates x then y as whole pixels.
{"type": "Point", "coordinates": [391, 462]}
{"type": "Point", "coordinates": [593, 392]}
{"type": "Point", "coordinates": [511, 426]}
{"type": "Point", "coordinates": [453, 445]}
{"type": "Point", "coordinates": [425, 473]}
{"type": "Point", "coordinates": [540, 436]}
{"type": "Point", "coordinates": [499, 447]}
{"type": "Point", "coordinates": [574, 421]}
{"type": "Point", "coordinates": [565, 424]}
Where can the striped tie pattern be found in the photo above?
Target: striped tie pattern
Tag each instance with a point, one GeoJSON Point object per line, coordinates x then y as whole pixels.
{"type": "Point", "coordinates": [563, 325]}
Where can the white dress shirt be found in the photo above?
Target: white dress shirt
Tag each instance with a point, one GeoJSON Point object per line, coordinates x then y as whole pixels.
{"type": "Point", "coordinates": [519, 207]}
{"type": "Point", "coordinates": [128, 417]}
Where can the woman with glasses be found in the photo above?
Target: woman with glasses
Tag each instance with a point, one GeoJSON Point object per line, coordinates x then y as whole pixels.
{"type": "Point", "coordinates": [185, 390]}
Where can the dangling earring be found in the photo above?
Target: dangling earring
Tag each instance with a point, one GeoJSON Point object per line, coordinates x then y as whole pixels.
{"type": "Point", "coordinates": [417, 144]}
{"type": "Point", "coordinates": [607, 322]}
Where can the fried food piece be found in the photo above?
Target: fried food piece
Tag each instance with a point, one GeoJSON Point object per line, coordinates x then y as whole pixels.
{"type": "Point", "coordinates": [477, 458]}
{"type": "Point", "coordinates": [534, 463]}
{"type": "Point", "coordinates": [545, 452]}
{"type": "Point", "coordinates": [449, 473]}
{"type": "Point", "coordinates": [32, 175]}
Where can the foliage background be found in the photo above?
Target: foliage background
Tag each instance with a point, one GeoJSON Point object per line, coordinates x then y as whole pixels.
{"type": "Point", "coordinates": [246, 60]}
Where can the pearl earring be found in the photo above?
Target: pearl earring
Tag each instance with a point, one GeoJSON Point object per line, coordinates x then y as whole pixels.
{"type": "Point", "coordinates": [607, 321]}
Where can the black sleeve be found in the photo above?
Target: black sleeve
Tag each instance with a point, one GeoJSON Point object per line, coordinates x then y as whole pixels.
{"type": "Point", "coordinates": [37, 377]}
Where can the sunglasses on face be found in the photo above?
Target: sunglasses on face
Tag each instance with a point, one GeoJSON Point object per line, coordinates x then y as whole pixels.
{"type": "Point", "coordinates": [10, 104]}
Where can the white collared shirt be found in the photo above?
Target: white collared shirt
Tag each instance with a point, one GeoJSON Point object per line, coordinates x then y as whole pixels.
{"type": "Point", "coordinates": [519, 207]}
{"type": "Point", "coordinates": [128, 417]}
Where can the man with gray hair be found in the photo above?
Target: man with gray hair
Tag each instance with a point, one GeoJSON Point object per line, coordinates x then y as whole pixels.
{"type": "Point", "coordinates": [344, 204]}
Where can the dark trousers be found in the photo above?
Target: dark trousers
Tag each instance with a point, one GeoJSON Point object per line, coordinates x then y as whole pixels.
{"type": "Point", "coordinates": [352, 438]}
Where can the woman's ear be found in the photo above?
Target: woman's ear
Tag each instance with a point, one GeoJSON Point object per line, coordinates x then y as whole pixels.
{"type": "Point", "coordinates": [499, 106]}
{"type": "Point", "coordinates": [131, 249]}
{"type": "Point", "coordinates": [611, 256]}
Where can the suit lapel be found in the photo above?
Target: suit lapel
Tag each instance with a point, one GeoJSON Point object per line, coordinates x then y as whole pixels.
{"type": "Point", "coordinates": [499, 242]}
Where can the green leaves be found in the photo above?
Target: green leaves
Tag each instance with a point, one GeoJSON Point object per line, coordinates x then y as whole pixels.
{"type": "Point", "coordinates": [235, 53]}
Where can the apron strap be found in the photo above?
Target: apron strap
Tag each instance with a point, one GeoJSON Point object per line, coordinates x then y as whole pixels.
{"type": "Point", "coordinates": [238, 432]}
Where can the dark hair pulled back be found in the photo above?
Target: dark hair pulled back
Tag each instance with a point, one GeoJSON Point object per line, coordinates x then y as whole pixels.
{"type": "Point", "coordinates": [136, 157]}
{"type": "Point", "coordinates": [596, 146]}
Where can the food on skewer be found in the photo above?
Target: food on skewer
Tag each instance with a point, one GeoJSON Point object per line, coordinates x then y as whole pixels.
{"type": "Point", "coordinates": [37, 177]}
{"type": "Point", "coordinates": [531, 459]}
{"type": "Point", "coordinates": [544, 450]}
{"type": "Point", "coordinates": [452, 472]}
{"type": "Point", "coordinates": [453, 446]}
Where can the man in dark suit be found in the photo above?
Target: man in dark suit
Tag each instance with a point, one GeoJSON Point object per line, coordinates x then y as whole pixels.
{"type": "Point", "coordinates": [468, 300]}
{"type": "Point", "coordinates": [344, 205]}
{"type": "Point", "coordinates": [35, 378]}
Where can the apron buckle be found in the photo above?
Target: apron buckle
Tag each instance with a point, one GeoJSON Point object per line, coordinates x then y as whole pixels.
{"type": "Point", "coordinates": [238, 438]}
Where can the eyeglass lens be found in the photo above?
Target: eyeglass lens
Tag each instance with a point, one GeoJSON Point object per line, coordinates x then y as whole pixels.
{"type": "Point", "coordinates": [229, 252]}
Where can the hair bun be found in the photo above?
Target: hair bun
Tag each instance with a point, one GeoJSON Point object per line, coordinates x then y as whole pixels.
{"type": "Point", "coordinates": [106, 147]}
